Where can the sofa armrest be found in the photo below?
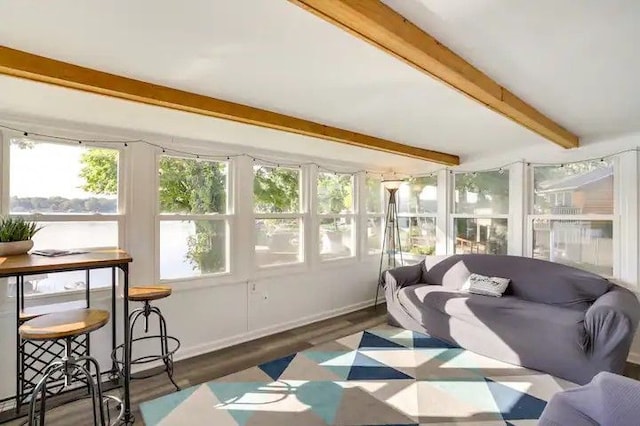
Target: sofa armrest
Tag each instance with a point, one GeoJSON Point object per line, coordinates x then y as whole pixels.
{"type": "Point", "coordinates": [611, 323]}
{"type": "Point", "coordinates": [395, 279]}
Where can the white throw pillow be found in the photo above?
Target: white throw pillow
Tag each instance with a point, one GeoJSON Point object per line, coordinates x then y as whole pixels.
{"type": "Point", "coordinates": [487, 286]}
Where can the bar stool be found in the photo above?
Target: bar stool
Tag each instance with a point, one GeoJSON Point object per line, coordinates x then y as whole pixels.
{"type": "Point", "coordinates": [146, 295]}
{"type": "Point", "coordinates": [66, 325]}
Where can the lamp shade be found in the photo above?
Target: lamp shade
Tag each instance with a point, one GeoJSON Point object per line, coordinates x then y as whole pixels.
{"type": "Point", "coordinates": [392, 183]}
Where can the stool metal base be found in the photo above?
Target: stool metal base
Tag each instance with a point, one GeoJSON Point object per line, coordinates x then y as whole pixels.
{"type": "Point", "coordinates": [68, 365]}
{"type": "Point", "coordinates": [166, 353]}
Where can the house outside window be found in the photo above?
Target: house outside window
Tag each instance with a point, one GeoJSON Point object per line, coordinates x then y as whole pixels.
{"type": "Point", "coordinates": [480, 212]}
{"type": "Point", "coordinates": [578, 231]}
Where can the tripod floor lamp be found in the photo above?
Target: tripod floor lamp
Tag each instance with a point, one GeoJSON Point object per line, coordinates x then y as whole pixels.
{"type": "Point", "coordinates": [391, 240]}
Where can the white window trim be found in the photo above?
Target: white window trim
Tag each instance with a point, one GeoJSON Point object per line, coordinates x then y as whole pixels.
{"type": "Point", "coordinates": [228, 218]}
{"type": "Point", "coordinates": [453, 216]}
{"type": "Point", "coordinates": [353, 216]}
{"type": "Point", "coordinates": [120, 217]}
{"type": "Point", "coordinates": [614, 218]}
{"type": "Point", "coordinates": [365, 215]}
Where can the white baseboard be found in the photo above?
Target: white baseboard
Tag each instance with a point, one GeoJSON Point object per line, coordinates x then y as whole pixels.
{"type": "Point", "coordinates": [634, 357]}
{"type": "Point", "coordinates": [193, 351]}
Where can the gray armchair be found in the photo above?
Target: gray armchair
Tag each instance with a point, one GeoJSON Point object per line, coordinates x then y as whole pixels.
{"type": "Point", "coordinates": [608, 400]}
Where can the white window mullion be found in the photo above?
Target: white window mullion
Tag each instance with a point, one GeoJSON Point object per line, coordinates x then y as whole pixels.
{"type": "Point", "coordinates": [187, 216]}
{"type": "Point", "coordinates": [278, 215]}
{"type": "Point", "coordinates": [626, 210]}
{"type": "Point", "coordinates": [139, 171]}
{"type": "Point", "coordinates": [446, 193]}
{"type": "Point", "coordinates": [4, 173]}
{"type": "Point", "coordinates": [243, 236]}
{"type": "Point", "coordinates": [360, 205]}
{"type": "Point", "coordinates": [517, 212]}
{"type": "Point", "coordinates": [312, 231]}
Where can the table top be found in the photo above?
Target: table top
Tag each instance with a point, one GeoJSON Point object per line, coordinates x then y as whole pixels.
{"type": "Point", "coordinates": [32, 263]}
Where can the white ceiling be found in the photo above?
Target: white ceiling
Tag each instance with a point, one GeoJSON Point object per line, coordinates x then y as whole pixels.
{"type": "Point", "coordinates": [576, 61]}
{"type": "Point", "coordinates": [266, 53]}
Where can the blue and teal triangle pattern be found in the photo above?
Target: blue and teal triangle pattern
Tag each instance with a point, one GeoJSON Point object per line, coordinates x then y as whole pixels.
{"type": "Point", "coordinates": [384, 376]}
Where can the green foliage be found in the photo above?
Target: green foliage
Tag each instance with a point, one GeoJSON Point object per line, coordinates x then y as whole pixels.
{"type": "Point", "coordinates": [203, 248]}
{"type": "Point", "coordinates": [197, 187]}
{"type": "Point", "coordinates": [423, 250]}
{"type": "Point", "coordinates": [100, 171]}
{"type": "Point", "coordinates": [276, 190]}
{"type": "Point", "coordinates": [335, 193]}
{"type": "Point", "coordinates": [191, 186]}
{"type": "Point", "coordinates": [186, 186]}
{"type": "Point", "coordinates": [416, 186]}
{"type": "Point", "coordinates": [17, 229]}
{"type": "Point", "coordinates": [484, 183]}
{"type": "Point", "coordinates": [374, 195]}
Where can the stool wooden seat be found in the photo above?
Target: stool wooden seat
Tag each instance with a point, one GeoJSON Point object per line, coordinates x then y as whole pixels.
{"type": "Point", "coordinates": [148, 293]}
{"type": "Point", "coordinates": [60, 325]}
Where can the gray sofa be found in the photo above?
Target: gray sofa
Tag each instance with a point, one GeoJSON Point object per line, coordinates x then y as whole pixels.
{"type": "Point", "coordinates": [608, 400]}
{"type": "Point", "coordinates": [553, 318]}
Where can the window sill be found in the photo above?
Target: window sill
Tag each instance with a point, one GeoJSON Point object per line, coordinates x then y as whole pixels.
{"type": "Point", "coordinates": [281, 270]}
{"type": "Point", "coordinates": [61, 294]}
{"type": "Point", "coordinates": [8, 304]}
{"type": "Point", "coordinates": [218, 276]}
{"type": "Point", "coordinates": [337, 262]}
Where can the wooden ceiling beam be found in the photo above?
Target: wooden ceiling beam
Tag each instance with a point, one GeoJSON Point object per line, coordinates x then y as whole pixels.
{"type": "Point", "coordinates": [38, 68]}
{"type": "Point", "coordinates": [378, 24]}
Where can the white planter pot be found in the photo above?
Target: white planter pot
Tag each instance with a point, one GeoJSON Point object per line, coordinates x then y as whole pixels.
{"type": "Point", "coordinates": [15, 247]}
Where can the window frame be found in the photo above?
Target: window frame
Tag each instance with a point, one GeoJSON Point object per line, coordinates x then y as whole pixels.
{"type": "Point", "coordinates": [367, 216]}
{"type": "Point", "coordinates": [418, 216]}
{"type": "Point", "coordinates": [228, 218]}
{"type": "Point", "coordinates": [453, 216]}
{"type": "Point", "coordinates": [352, 216]}
{"type": "Point", "coordinates": [613, 217]}
{"type": "Point", "coordinates": [120, 217]}
{"type": "Point", "coordinates": [301, 216]}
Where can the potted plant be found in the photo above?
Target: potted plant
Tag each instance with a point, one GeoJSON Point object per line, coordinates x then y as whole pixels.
{"type": "Point", "coordinates": [16, 235]}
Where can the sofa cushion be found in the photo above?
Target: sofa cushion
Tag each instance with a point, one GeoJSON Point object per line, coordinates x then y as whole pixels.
{"type": "Point", "coordinates": [452, 278]}
{"type": "Point", "coordinates": [531, 279]}
{"type": "Point", "coordinates": [508, 317]}
{"type": "Point", "coordinates": [486, 309]}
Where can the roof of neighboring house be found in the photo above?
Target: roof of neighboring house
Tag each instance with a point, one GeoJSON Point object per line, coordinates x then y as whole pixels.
{"type": "Point", "coordinates": [571, 183]}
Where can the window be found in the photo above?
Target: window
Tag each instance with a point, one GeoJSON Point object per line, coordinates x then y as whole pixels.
{"type": "Point", "coordinates": [417, 201]}
{"type": "Point", "coordinates": [74, 197]}
{"type": "Point", "coordinates": [278, 215]}
{"type": "Point", "coordinates": [336, 215]}
{"type": "Point", "coordinates": [375, 214]}
{"type": "Point", "coordinates": [480, 212]}
{"type": "Point", "coordinates": [194, 219]}
{"type": "Point", "coordinates": [571, 219]}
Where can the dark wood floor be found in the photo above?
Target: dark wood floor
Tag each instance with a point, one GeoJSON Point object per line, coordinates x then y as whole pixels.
{"type": "Point", "coordinates": [210, 366]}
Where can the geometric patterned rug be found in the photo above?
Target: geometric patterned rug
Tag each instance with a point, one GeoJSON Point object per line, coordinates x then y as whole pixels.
{"type": "Point", "coordinates": [382, 376]}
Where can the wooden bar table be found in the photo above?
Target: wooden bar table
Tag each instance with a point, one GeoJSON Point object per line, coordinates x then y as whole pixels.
{"type": "Point", "coordinates": [21, 266]}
